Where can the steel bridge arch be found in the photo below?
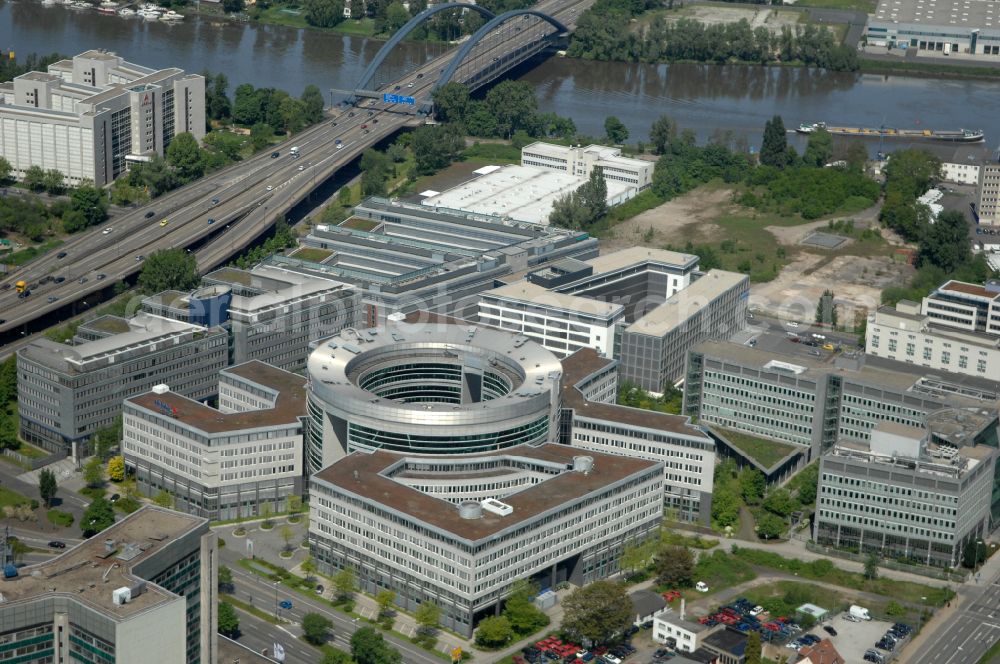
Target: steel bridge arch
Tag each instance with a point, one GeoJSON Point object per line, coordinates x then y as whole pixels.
{"type": "Point", "coordinates": [482, 32]}
{"type": "Point", "coordinates": [369, 74]}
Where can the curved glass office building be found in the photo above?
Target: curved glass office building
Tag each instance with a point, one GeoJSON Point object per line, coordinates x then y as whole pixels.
{"type": "Point", "coordinates": [429, 388]}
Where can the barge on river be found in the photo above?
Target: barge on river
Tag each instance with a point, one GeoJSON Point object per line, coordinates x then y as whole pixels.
{"type": "Point", "coordinates": [959, 136]}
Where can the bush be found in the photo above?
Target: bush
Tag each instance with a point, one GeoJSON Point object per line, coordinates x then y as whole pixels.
{"type": "Point", "coordinates": [34, 504]}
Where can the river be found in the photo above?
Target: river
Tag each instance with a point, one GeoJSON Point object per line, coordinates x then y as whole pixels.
{"type": "Point", "coordinates": [704, 98]}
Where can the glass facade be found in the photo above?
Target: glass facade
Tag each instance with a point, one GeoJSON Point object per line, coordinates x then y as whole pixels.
{"type": "Point", "coordinates": [361, 437]}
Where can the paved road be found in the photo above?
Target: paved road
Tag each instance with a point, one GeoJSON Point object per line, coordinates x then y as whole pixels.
{"type": "Point", "coordinates": [971, 631]}
{"type": "Point", "coordinates": [243, 199]}
{"type": "Point", "coordinates": [259, 591]}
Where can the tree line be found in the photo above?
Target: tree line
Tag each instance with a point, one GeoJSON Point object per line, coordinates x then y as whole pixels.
{"type": "Point", "coordinates": [606, 32]}
{"type": "Point", "coordinates": [35, 219]}
{"type": "Point", "coordinates": [11, 68]}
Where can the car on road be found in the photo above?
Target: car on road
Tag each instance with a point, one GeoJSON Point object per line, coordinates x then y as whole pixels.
{"type": "Point", "coordinates": [792, 324]}
{"type": "Point", "coordinates": [421, 75]}
{"type": "Point", "coordinates": [59, 280]}
{"type": "Point", "coordinates": [101, 276]}
{"type": "Point", "coordinates": [275, 154]}
{"type": "Point", "coordinates": [830, 630]}
{"type": "Point", "coordinates": [211, 221]}
{"type": "Point", "coordinates": [333, 124]}
{"type": "Point", "coordinates": [364, 126]}
{"type": "Point", "coordinates": [285, 604]}
{"type": "Point", "coordinates": [5, 287]}
{"type": "Point", "coordinates": [140, 258]}
{"type": "Point", "coordinates": [396, 88]}
{"type": "Point", "coordinates": [270, 187]}
{"type": "Point", "coordinates": [82, 280]}
{"type": "Point", "coordinates": [351, 114]}
{"type": "Point", "coordinates": [61, 254]}
{"type": "Point", "coordinates": [410, 84]}
{"type": "Point", "coordinates": [215, 201]}
{"type": "Point", "coordinates": [56, 544]}
{"type": "Point", "coordinates": [367, 130]}
{"type": "Point", "coordinates": [164, 222]}
{"type": "Point", "coordinates": [371, 113]}
{"type": "Point", "coordinates": [340, 146]}
{"type": "Point", "coordinates": [52, 298]}
{"type": "Point", "coordinates": [2, 321]}
{"type": "Point", "coordinates": [150, 214]}
{"type": "Point", "coordinates": [107, 230]}
{"type": "Point", "coordinates": [302, 168]}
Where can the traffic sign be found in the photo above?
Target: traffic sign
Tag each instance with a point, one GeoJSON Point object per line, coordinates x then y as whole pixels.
{"type": "Point", "coordinates": [389, 98]}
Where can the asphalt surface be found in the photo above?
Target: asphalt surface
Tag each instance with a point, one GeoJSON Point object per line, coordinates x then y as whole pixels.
{"type": "Point", "coordinates": [251, 194]}
{"type": "Point", "coordinates": [967, 636]}
{"type": "Point", "coordinates": [260, 592]}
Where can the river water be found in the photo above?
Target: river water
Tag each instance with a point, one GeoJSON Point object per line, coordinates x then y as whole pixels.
{"type": "Point", "coordinates": [704, 98]}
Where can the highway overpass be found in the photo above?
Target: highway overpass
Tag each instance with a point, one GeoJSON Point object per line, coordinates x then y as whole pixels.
{"type": "Point", "coordinates": [245, 199]}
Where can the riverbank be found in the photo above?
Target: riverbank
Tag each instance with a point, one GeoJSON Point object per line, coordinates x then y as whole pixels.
{"type": "Point", "coordinates": [909, 68]}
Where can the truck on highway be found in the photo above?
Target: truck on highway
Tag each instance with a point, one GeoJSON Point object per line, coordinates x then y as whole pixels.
{"type": "Point", "coordinates": [22, 289]}
{"type": "Point", "coordinates": [294, 152]}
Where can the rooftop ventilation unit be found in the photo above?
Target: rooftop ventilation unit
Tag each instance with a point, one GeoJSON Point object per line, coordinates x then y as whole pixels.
{"type": "Point", "coordinates": [496, 507]}
{"type": "Point", "coordinates": [161, 389]}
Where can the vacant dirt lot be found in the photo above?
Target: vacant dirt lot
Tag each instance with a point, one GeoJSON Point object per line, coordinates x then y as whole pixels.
{"type": "Point", "coordinates": [687, 217]}
{"type": "Point", "coordinates": [770, 17]}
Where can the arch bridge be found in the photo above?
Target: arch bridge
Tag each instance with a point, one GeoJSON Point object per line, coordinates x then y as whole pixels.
{"type": "Point", "coordinates": [499, 45]}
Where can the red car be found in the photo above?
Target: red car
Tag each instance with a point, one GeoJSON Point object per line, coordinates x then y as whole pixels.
{"type": "Point", "coordinates": [364, 126]}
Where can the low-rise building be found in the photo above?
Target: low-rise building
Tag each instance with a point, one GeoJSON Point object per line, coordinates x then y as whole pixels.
{"type": "Point", "coordinates": [903, 495]}
{"type": "Point", "coordinates": [144, 590]}
{"type": "Point", "coordinates": [581, 161]}
{"type": "Point", "coordinates": [90, 116]}
{"type": "Point", "coordinates": [906, 335]}
{"type": "Point", "coordinates": [727, 643]}
{"type": "Point", "coordinates": [646, 605]}
{"type": "Point", "coordinates": [597, 424]}
{"type": "Point", "coordinates": [562, 323]}
{"type": "Point", "coordinates": [459, 530]}
{"type": "Point", "coordinates": [820, 653]}
{"type": "Point", "coordinates": [223, 463]}
{"type": "Point", "coordinates": [965, 306]}
{"type": "Point", "coordinates": [66, 393]}
{"type": "Point", "coordinates": [684, 635]}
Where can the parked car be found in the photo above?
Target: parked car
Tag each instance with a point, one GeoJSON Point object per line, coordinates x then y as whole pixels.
{"type": "Point", "coordinates": [701, 587]}
{"type": "Point", "coordinates": [829, 630]}
{"type": "Point", "coordinates": [319, 589]}
{"type": "Point", "coordinates": [115, 498]}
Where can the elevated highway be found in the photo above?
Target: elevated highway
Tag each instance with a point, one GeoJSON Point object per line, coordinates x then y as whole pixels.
{"type": "Point", "coordinates": [245, 199]}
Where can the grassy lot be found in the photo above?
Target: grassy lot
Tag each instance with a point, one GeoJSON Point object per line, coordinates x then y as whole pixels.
{"type": "Point", "coordinates": [493, 153]}
{"type": "Point", "coordinates": [59, 518]}
{"type": "Point", "coordinates": [668, 536]}
{"type": "Point", "coordinates": [765, 452]}
{"type": "Point", "coordinates": [294, 17]}
{"type": "Point", "coordinates": [826, 571]}
{"type": "Point", "coordinates": [782, 598]}
{"type": "Point", "coordinates": [719, 570]}
{"type": "Point", "coordinates": [992, 655]}
{"type": "Point", "coordinates": [250, 608]}
{"type": "Point", "coordinates": [31, 253]}
{"type": "Point", "coordinates": [866, 6]}
{"type": "Point", "coordinates": [358, 224]}
{"type": "Point", "coordinates": [31, 451]}
{"type": "Point", "coordinates": [312, 254]}
{"type": "Point", "coordinates": [10, 498]}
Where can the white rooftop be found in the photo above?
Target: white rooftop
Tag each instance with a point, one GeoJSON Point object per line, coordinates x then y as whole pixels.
{"type": "Point", "coordinates": [533, 293]}
{"type": "Point", "coordinates": [685, 303]}
{"type": "Point", "coordinates": [522, 193]}
{"type": "Point", "coordinates": [637, 255]}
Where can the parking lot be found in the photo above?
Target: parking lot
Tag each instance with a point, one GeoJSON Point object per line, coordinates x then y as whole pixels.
{"type": "Point", "coordinates": [853, 638]}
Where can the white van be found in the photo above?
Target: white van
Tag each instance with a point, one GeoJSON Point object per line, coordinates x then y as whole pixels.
{"type": "Point", "coordinates": [294, 152]}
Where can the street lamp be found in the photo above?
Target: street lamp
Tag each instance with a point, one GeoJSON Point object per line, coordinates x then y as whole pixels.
{"type": "Point", "coordinates": [276, 599]}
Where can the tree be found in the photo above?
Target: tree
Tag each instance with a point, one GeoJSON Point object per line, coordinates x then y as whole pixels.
{"type": "Point", "coordinates": [34, 178]}
{"type": "Point", "coordinates": [594, 195]}
{"type": "Point", "coordinates": [974, 553]}
{"type": "Point", "coordinates": [375, 171]}
{"type": "Point", "coordinates": [90, 202]}
{"type": "Point", "coordinates": [100, 514]}
{"type": "Point", "coordinates": [168, 269]}
{"type": "Point", "coordinates": [343, 583]}
{"type": "Point", "coordinates": [435, 147]}
{"type": "Point", "coordinates": [294, 504]}
{"type": "Point", "coordinates": [819, 149]}
{"type": "Point", "coordinates": [674, 566]}
{"type": "Point", "coordinates": [312, 102]}
{"type": "Point", "coordinates": [185, 156]}
{"type": "Point", "coordinates": [774, 149]}
{"type": "Point", "coordinates": [116, 468]}
{"type": "Point", "coordinates": [331, 656]}
{"type": "Point", "coordinates": [568, 211]}
{"type": "Point", "coordinates": [260, 135]}
{"type": "Point", "coordinates": [385, 600]}
{"type": "Point", "coordinates": [826, 309]}
{"type": "Point", "coordinates": [232, 6]}
{"type": "Point", "coordinates": [663, 131]}
{"type": "Point", "coordinates": [754, 648]}
{"type": "Point", "coordinates": [946, 242]}
{"type": "Point", "coordinates": [871, 566]}
{"type": "Point", "coordinates": [451, 102]}
{"type": "Point", "coordinates": [856, 156]}
{"type": "Point", "coordinates": [287, 534]}
{"type": "Point", "coordinates": [770, 525]}
{"type": "Point", "coordinates": [5, 171]}
{"type": "Point", "coordinates": [324, 13]}
{"type": "Point", "coordinates": [396, 17]}
{"type": "Point", "coordinates": [93, 472]}
{"type": "Point", "coordinates": [513, 106]}
{"type": "Point", "coordinates": [309, 567]}
{"type": "Point", "coordinates": [217, 97]}
{"type": "Point", "coordinates": [635, 554]}
{"type": "Point", "coordinates": [316, 628]}
{"type": "Point", "coordinates": [344, 196]}
{"type": "Point", "coordinates": [164, 499]}
{"type": "Point", "coordinates": [752, 485]}
{"type": "Point", "coordinates": [428, 616]}
{"type": "Point", "coordinates": [225, 579]}
{"type": "Point", "coordinates": [494, 632]}
{"type": "Point", "coordinates": [155, 176]}
{"type": "Point", "coordinates": [615, 130]}
{"type": "Point", "coordinates": [523, 615]}
{"type": "Point", "coordinates": [54, 181]}
{"type": "Point", "coordinates": [780, 502]}
{"type": "Point", "coordinates": [597, 612]}
{"type": "Point", "coordinates": [369, 647]}
{"type": "Point", "coordinates": [229, 621]}
{"type": "Point", "coordinates": [47, 486]}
